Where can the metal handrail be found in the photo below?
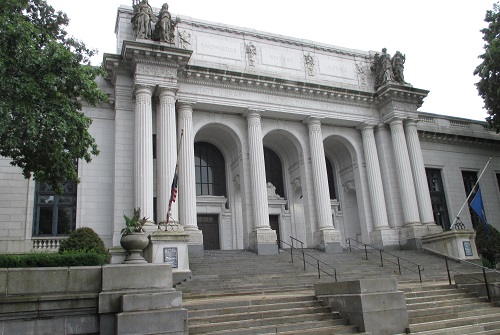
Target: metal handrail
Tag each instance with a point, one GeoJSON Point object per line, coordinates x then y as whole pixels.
{"type": "Point", "coordinates": [304, 254]}
{"type": "Point", "coordinates": [483, 268]}
{"type": "Point", "coordinates": [420, 268]}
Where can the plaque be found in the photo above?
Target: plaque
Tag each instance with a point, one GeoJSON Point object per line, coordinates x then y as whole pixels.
{"type": "Point", "coordinates": [468, 248]}
{"type": "Point", "coordinates": [170, 256]}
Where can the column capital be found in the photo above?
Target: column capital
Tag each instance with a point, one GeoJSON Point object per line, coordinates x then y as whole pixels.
{"type": "Point", "coordinates": [365, 126]}
{"type": "Point", "coordinates": [312, 120]}
{"type": "Point", "coordinates": [186, 103]}
{"type": "Point", "coordinates": [253, 112]}
{"type": "Point", "coordinates": [167, 91]}
{"type": "Point", "coordinates": [139, 88]}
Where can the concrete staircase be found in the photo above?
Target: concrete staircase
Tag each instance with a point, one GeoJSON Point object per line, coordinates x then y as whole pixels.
{"type": "Point", "coordinates": [440, 309]}
{"type": "Point", "coordinates": [238, 292]}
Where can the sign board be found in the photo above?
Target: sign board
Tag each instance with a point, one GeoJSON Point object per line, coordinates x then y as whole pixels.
{"type": "Point", "coordinates": [468, 248]}
{"type": "Point", "coordinates": [170, 257]}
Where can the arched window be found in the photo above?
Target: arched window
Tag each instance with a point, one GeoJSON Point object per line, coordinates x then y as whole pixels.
{"type": "Point", "coordinates": [274, 171]}
{"type": "Point", "coordinates": [331, 179]}
{"type": "Point", "coordinates": [210, 170]}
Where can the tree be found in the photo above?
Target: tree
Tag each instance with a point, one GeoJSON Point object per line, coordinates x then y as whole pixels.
{"type": "Point", "coordinates": [489, 70]}
{"type": "Point", "coordinates": [44, 75]}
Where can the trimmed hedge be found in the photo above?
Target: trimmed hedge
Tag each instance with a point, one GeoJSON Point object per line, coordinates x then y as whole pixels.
{"type": "Point", "coordinates": [488, 245]}
{"type": "Point", "coordinates": [83, 239]}
{"type": "Point", "coordinates": [73, 258]}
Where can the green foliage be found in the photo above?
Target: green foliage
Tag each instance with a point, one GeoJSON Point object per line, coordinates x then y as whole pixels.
{"type": "Point", "coordinates": [68, 258]}
{"type": "Point", "coordinates": [486, 263]}
{"type": "Point", "coordinates": [489, 248]}
{"type": "Point", "coordinates": [44, 75]}
{"type": "Point", "coordinates": [134, 224]}
{"type": "Point", "coordinates": [489, 70]}
{"type": "Point", "coordinates": [83, 239]}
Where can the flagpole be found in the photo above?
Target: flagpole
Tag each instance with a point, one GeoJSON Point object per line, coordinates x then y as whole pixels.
{"type": "Point", "coordinates": [470, 194]}
{"type": "Point", "coordinates": [173, 190]}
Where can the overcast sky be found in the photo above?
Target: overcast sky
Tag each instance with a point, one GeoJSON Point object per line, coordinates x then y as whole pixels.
{"type": "Point", "coordinates": [441, 38]}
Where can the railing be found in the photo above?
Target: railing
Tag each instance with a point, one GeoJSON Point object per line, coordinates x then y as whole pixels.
{"type": "Point", "coordinates": [46, 243]}
{"type": "Point", "coordinates": [368, 249]}
{"type": "Point", "coordinates": [317, 264]}
{"type": "Point", "coordinates": [484, 271]}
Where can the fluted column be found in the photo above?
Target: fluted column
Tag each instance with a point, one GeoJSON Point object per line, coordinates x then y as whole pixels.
{"type": "Point", "coordinates": [419, 175]}
{"type": "Point", "coordinates": [257, 171]}
{"type": "Point", "coordinates": [143, 151]}
{"type": "Point", "coordinates": [262, 238]}
{"type": "Point", "coordinates": [326, 237]}
{"type": "Point", "coordinates": [405, 178]}
{"type": "Point", "coordinates": [187, 182]}
{"type": "Point", "coordinates": [320, 177]}
{"type": "Point", "coordinates": [166, 157]}
{"type": "Point", "coordinates": [375, 186]}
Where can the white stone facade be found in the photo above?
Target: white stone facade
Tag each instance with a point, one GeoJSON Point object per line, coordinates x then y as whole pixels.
{"type": "Point", "coordinates": [242, 90]}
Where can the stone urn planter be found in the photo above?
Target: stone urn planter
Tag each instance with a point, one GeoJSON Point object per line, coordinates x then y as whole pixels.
{"type": "Point", "coordinates": [134, 243]}
{"type": "Point", "coordinates": [134, 240]}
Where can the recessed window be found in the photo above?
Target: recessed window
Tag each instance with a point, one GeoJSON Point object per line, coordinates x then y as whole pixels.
{"type": "Point", "coordinates": [210, 171]}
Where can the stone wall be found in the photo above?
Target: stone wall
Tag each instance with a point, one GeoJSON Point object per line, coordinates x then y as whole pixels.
{"type": "Point", "coordinates": [124, 299]}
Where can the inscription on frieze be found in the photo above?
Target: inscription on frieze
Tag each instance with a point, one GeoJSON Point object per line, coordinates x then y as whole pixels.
{"type": "Point", "coordinates": [282, 58]}
{"type": "Point", "coordinates": [219, 48]}
{"type": "Point", "coordinates": [339, 68]}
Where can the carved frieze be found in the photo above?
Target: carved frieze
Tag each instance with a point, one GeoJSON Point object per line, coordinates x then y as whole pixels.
{"type": "Point", "coordinates": [185, 39]}
{"type": "Point", "coordinates": [155, 70]}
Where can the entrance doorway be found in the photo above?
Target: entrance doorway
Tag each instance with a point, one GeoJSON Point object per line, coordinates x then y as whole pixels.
{"type": "Point", "coordinates": [209, 225]}
{"type": "Point", "coordinates": [274, 222]}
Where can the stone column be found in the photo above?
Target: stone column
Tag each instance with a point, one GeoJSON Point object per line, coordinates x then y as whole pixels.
{"type": "Point", "coordinates": [405, 178]}
{"type": "Point", "coordinates": [376, 190]}
{"type": "Point", "coordinates": [375, 185]}
{"type": "Point", "coordinates": [326, 237]}
{"type": "Point", "coordinates": [166, 155]}
{"type": "Point", "coordinates": [143, 151]}
{"type": "Point", "coordinates": [262, 238]}
{"type": "Point", "coordinates": [419, 176]}
{"type": "Point", "coordinates": [187, 182]}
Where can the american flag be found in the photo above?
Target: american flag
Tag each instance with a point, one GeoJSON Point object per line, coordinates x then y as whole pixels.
{"type": "Point", "coordinates": [173, 191]}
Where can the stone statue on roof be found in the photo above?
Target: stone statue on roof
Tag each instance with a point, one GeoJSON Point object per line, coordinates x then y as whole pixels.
{"type": "Point", "coordinates": [387, 69]}
{"type": "Point", "coordinates": [165, 26]}
{"type": "Point", "coordinates": [142, 19]}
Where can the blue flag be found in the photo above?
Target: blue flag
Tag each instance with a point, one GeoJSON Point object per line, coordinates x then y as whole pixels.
{"type": "Point", "coordinates": [478, 207]}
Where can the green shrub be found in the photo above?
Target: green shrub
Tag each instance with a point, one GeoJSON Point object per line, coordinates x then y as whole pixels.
{"type": "Point", "coordinates": [486, 263]}
{"type": "Point", "coordinates": [488, 248]}
{"type": "Point", "coordinates": [67, 258]}
{"type": "Point", "coordinates": [83, 239]}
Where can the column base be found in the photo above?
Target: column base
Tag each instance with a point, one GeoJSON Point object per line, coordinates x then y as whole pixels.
{"type": "Point", "coordinates": [263, 241]}
{"type": "Point", "coordinates": [328, 240]}
{"type": "Point", "coordinates": [384, 238]}
{"type": "Point", "coordinates": [195, 243]}
{"type": "Point", "coordinates": [411, 235]}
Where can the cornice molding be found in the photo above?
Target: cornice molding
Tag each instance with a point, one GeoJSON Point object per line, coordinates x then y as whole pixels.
{"type": "Point", "coordinates": [262, 84]}
{"type": "Point", "coordinates": [437, 137]}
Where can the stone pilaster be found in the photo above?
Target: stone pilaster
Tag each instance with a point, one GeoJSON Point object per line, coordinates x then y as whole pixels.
{"type": "Point", "coordinates": [326, 237]}
{"type": "Point", "coordinates": [419, 176]}
{"type": "Point", "coordinates": [376, 190]}
{"type": "Point", "coordinates": [187, 182]}
{"type": "Point", "coordinates": [405, 178]}
{"type": "Point", "coordinates": [143, 153]}
{"type": "Point", "coordinates": [262, 238]}
{"type": "Point", "coordinates": [166, 153]}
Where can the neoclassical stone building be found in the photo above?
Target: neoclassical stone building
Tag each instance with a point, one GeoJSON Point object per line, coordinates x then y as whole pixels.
{"type": "Point", "coordinates": [280, 137]}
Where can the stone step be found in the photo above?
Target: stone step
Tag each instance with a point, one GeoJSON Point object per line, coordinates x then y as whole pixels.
{"type": "Point", "coordinates": [431, 293]}
{"type": "Point", "coordinates": [488, 328]}
{"type": "Point", "coordinates": [447, 309]}
{"type": "Point", "coordinates": [443, 303]}
{"type": "Point", "coordinates": [444, 297]}
{"type": "Point", "coordinates": [252, 308]}
{"type": "Point", "coordinates": [262, 313]}
{"type": "Point", "coordinates": [449, 324]}
{"type": "Point", "coordinates": [457, 315]}
{"type": "Point", "coordinates": [263, 321]}
{"type": "Point", "coordinates": [317, 328]}
{"type": "Point", "coordinates": [247, 300]}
